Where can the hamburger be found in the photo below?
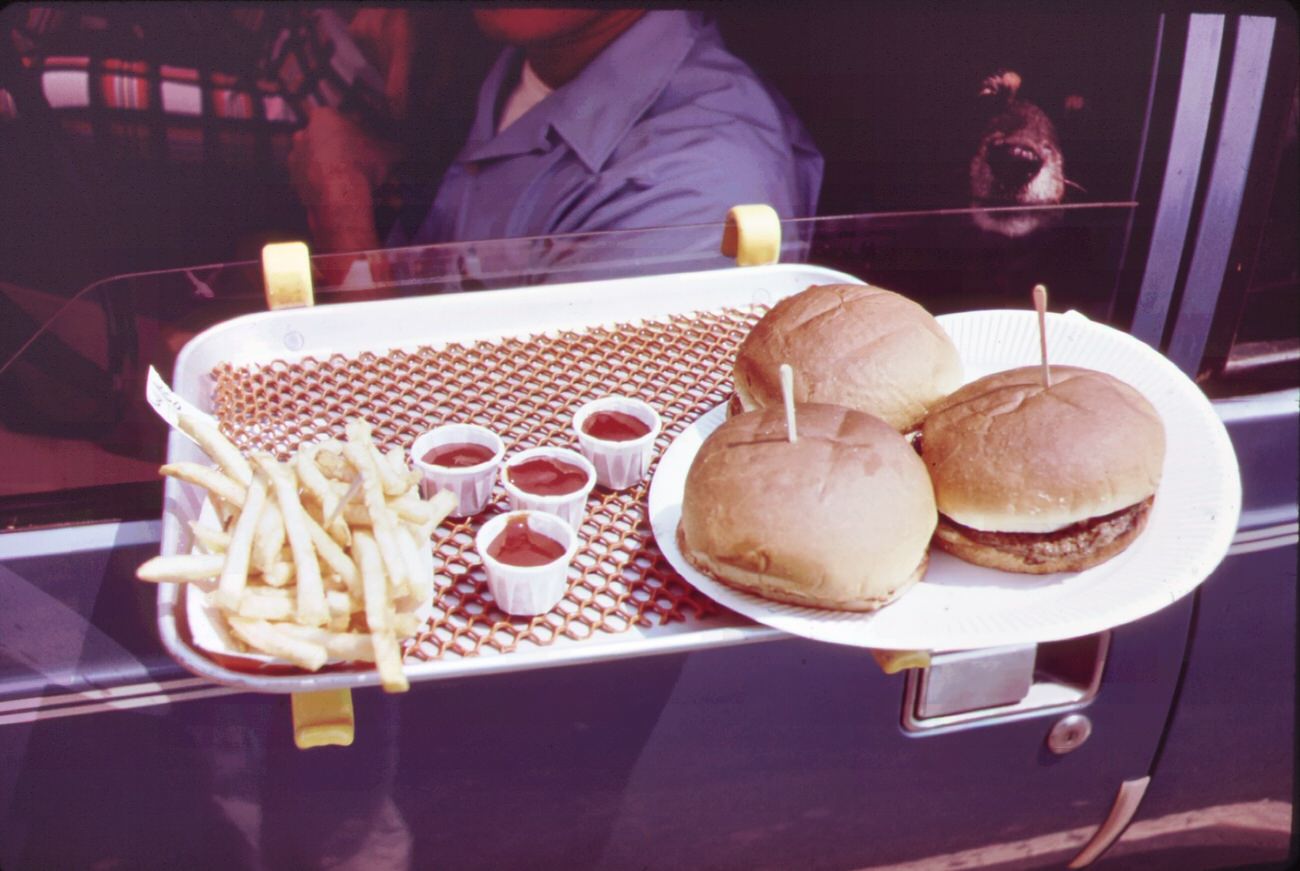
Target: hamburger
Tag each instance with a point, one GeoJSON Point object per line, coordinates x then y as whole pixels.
{"type": "Point", "coordinates": [1040, 479]}
{"type": "Point", "coordinates": [853, 345]}
{"type": "Point", "coordinates": [842, 518]}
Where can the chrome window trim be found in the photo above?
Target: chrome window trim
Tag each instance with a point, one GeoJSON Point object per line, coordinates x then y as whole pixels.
{"type": "Point", "coordinates": [1258, 406]}
{"type": "Point", "coordinates": [1182, 170]}
{"type": "Point", "coordinates": [1224, 192]}
{"type": "Point", "coordinates": [25, 543]}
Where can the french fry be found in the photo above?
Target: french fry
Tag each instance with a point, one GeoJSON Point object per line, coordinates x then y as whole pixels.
{"type": "Point", "coordinates": [383, 524]}
{"type": "Point", "coordinates": [348, 491]}
{"type": "Point", "coordinates": [329, 551]}
{"type": "Point", "coordinates": [181, 568]}
{"type": "Point", "coordinates": [359, 433]}
{"type": "Point", "coordinates": [213, 480]}
{"type": "Point", "coordinates": [416, 580]}
{"type": "Point", "coordinates": [334, 582]}
{"type": "Point", "coordinates": [397, 459]}
{"type": "Point", "coordinates": [259, 603]}
{"type": "Point", "coordinates": [407, 625]}
{"type": "Point", "coordinates": [421, 512]}
{"type": "Point", "coordinates": [340, 645]}
{"type": "Point", "coordinates": [421, 570]}
{"type": "Point", "coordinates": [279, 573]}
{"type": "Point", "coordinates": [441, 505]}
{"type": "Point", "coordinates": [214, 541]}
{"type": "Point", "coordinates": [269, 603]}
{"type": "Point", "coordinates": [234, 574]}
{"type": "Point", "coordinates": [394, 483]}
{"type": "Point", "coordinates": [268, 538]}
{"type": "Point", "coordinates": [312, 610]}
{"type": "Point", "coordinates": [356, 515]}
{"type": "Point", "coordinates": [378, 608]}
{"type": "Point", "coordinates": [295, 581]}
{"type": "Point", "coordinates": [315, 483]}
{"type": "Point", "coordinates": [329, 458]}
{"type": "Point", "coordinates": [217, 446]}
{"type": "Point", "coordinates": [347, 494]}
{"type": "Point", "coordinates": [412, 509]}
{"type": "Point", "coordinates": [271, 638]}
{"type": "Point", "coordinates": [388, 662]}
{"type": "Point", "coordinates": [374, 583]}
{"type": "Point", "coordinates": [341, 604]}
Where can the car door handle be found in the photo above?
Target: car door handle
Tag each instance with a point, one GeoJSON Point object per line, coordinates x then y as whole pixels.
{"type": "Point", "coordinates": [967, 688]}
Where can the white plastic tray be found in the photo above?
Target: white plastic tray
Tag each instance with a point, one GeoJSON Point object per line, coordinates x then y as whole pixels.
{"type": "Point", "coordinates": [406, 324]}
{"type": "Point", "coordinates": [960, 606]}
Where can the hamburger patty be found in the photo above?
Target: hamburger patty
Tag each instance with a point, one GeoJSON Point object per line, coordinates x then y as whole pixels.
{"type": "Point", "coordinates": [1087, 537]}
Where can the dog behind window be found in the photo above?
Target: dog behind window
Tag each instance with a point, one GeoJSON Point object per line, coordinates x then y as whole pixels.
{"type": "Point", "coordinates": [1018, 162]}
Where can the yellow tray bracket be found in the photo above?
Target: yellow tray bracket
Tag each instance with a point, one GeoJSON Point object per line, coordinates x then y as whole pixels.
{"type": "Point", "coordinates": [323, 718]}
{"type": "Point", "coordinates": [752, 235]}
{"type": "Point", "coordinates": [286, 272]}
{"type": "Point", "coordinates": [894, 661]}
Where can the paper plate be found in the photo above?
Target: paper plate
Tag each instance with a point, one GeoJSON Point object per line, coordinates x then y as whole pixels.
{"type": "Point", "coordinates": [959, 606]}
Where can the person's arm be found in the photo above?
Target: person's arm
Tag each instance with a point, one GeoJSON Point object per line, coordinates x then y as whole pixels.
{"type": "Point", "coordinates": [335, 164]}
{"type": "Point", "coordinates": [336, 167]}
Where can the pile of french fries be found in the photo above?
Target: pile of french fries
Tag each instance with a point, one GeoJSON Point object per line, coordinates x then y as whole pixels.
{"type": "Point", "coordinates": [324, 557]}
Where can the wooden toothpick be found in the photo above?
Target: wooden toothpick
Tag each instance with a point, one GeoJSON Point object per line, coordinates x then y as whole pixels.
{"type": "Point", "coordinates": [1040, 304]}
{"type": "Point", "coordinates": [787, 393]}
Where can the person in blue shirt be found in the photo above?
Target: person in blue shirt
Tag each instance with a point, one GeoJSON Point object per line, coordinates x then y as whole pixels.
{"type": "Point", "coordinates": [591, 119]}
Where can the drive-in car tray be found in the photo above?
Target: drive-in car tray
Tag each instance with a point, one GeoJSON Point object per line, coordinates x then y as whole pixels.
{"type": "Point", "coordinates": [521, 362]}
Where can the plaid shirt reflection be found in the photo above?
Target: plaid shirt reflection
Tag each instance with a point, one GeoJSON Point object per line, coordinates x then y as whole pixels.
{"type": "Point", "coordinates": [107, 81]}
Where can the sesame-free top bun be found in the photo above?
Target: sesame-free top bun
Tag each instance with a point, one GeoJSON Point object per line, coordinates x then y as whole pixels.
{"type": "Point", "coordinates": [1038, 480]}
{"type": "Point", "coordinates": [840, 519]}
{"type": "Point", "coordinates": [1008, 455]}
{"type": "Point", "coordinates": [853, 345]}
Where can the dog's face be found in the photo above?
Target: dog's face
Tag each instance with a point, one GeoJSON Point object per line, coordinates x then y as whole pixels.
{"type": "Point", "coordinates": [1018, 162]}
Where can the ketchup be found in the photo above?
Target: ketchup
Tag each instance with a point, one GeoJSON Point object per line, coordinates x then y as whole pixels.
{"type": "Point", "coordinates": [547, 476]}
{"type": "Point", "coordinates": [519, 545]}
{"type": "Point", "coordinates": [458, 456]}
{"type": "Point", "coordinates": [614, 426]}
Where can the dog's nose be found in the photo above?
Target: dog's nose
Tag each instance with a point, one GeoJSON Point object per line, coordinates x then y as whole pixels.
{"type": "Point", "coordinates": [1013, 163]}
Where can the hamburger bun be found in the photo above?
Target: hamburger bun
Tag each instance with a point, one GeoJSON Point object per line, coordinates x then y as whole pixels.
{"type": "Point", "coordinates": [840, 519]}
{"type": "Point", "coordinates": [1039, 480]}
{"type": "Point", "coordinates": [853, 345]}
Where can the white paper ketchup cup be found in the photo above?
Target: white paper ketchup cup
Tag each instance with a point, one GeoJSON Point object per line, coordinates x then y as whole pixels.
{"type": "Point", "coordinates": [472, 484]}
{"type": "Point", "coordinates": [527, 590]}
{"type": "Point", "coordinates": [618, 464]}
{"type": "Point", "coordinates": [572, 506]}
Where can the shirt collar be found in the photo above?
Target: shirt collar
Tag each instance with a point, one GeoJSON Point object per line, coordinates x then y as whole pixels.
{"type": "Point", "coordinates": [633, 70]}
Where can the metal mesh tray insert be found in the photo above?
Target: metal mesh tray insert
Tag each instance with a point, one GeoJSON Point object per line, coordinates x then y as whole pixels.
{"type": "Point", "coordinates": [525, 389]}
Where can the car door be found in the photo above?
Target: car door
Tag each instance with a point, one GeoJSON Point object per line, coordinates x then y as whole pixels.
{"type": "Point", "coordinates": [774, 753]}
